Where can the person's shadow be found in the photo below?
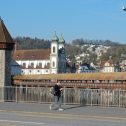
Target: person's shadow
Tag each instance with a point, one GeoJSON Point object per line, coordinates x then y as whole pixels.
{"type": "Point", "coordinates": [73, 107]}
{"type": "Point", "coordinates": [83, 104]}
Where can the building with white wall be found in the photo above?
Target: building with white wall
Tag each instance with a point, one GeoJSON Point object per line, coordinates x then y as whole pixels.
{"type": "Point", "coordinates": [110, 66]}
{"type": "Point", "coordinates": [85, 68]}
{"type": "Point", "coordinates": [43, 61]}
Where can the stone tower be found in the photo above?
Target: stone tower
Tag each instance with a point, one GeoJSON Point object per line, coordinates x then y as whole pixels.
{"type": "Point", "coordinates": [6, 45]}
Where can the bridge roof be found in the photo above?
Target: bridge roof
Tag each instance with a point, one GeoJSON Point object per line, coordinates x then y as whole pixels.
{"type": "Point", "coordinates": [74, 76]}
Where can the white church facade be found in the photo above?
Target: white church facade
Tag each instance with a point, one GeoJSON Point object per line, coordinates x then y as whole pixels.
{"type": "Point", "coordinates": [43, 61]}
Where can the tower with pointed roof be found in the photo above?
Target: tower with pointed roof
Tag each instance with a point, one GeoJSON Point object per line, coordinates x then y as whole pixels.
{"type": "Point", "coordinates": [54, 55]}
{"type": "Point", "coordinates": [61, 42]}
{"type": "Point", "coordinates": [62, 57]}
{"type": "Point", "coordinates": [6, 45]}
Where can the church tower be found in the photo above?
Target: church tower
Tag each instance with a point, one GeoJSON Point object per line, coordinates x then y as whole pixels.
{"type": "Point", "coordinates": [54, 55]}
{"type": "Point", "coordinates": [62, 56]}
{"type": "Point", "coordinates": [61, 42]}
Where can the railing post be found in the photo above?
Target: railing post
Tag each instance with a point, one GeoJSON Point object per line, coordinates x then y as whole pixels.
{"type": "Point", "coordinates": [119, 97]}
{"type": "Point", "coordinates": [38, 95]}
{"type": "Point", "coordinates": [16, 94]}
{"type": "Point", "coordinates": [101, 96]}
{"type": "Point", "coordinates": [108, 98]}
{"type": "Point", "coordinates": [91, 97]}
{"type": "Point", "coordinates": [26, 93]}
{"type": "Point", "coordinates": [64, 95]}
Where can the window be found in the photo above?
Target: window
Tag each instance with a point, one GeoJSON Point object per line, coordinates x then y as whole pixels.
{"type": "Point", "coordinates": [53, 49]}
{"type": "Point", "coordinates": [32, 64]}
{"type": "Point", "coordinates": [40, 64]}
{"type": "Point", "coordinates": [53, 64]}
{"type": "Point", "coordinates": [48, 64]}
{"type": "Point", "coordinates": [24, 64]}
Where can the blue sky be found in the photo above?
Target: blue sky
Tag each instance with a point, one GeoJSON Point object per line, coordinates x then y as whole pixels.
{"type": "Point", "coordinates": [87, 19]}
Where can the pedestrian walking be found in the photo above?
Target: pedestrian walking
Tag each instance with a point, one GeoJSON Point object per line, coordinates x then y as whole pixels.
{"type": "Point", "coordinates": [57, 96]}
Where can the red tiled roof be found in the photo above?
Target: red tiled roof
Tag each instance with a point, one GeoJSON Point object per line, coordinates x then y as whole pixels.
{"type": "Point", "coordinates": [102, 63]}
{"type": "Point", "coordinates": [111, 62]}
{"type": "Point", "coordinates": [69, 64]}
{"type": "Point", "coordinates": [42, 54]}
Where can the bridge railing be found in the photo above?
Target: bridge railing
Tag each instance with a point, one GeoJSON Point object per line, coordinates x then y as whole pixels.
{"type": "Point", "coordinates": [76, 96]}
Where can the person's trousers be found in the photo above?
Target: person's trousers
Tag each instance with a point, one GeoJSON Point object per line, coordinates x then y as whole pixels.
{"type": "Point", "coordinates": [57, 98]}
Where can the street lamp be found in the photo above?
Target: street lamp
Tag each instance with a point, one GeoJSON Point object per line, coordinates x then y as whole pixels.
{"type": "Point", "coordinates": [124, 8]}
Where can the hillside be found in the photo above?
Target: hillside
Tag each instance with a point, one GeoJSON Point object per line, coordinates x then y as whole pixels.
{"type": "Point", "coordinates": [81, 42]}
{"type": "Point", "coordinates": [27, 43]}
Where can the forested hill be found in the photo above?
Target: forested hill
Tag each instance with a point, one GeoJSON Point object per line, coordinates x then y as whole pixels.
{"type": "Point", "coordinates": [26, 43]}
{"type": "Point", "coordinates": [95, 42]}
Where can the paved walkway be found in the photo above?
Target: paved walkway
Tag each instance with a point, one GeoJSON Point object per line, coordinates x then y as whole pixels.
{"type": "Point", "coordinates": [86, 111]}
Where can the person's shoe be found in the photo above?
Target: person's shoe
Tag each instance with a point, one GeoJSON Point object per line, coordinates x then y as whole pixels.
{"type": "Point", "coordinates": [50, 107]}
{"type": "Point", "coordinates": [60, 109]}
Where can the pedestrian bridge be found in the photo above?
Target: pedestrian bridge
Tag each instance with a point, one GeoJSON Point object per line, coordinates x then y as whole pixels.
{"type": "Point", "coordinates": [115, 80]}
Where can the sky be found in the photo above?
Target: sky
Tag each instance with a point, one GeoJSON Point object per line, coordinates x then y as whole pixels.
{"type": "Point", "coordinates": [76, 19]}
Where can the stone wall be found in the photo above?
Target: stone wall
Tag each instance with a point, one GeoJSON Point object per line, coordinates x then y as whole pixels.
{"type": "Point", "coordinates": [5, 74]}
{"type": "Point", "coordinates": [5, 68]}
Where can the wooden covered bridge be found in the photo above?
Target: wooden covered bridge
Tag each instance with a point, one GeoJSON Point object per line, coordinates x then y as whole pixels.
{"type": "Point", "coordinates": [74, 80]}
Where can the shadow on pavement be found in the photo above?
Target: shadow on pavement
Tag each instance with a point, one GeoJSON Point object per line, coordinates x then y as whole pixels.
{"type": "Point", "coordinates": [74, 107]}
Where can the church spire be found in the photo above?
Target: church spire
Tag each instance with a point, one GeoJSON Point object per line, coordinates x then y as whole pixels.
{"type": "Point", "coordinates": [55, 38]}
{"type": "Point", "coordinates": [61, 40]}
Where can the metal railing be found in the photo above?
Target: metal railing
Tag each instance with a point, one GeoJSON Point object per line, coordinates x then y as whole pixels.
{"type": "Point", "coordinates": [90, 97]}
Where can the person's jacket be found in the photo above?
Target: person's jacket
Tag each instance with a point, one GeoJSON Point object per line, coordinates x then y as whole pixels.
{"type": "Point", "coordinates": [57, 90]}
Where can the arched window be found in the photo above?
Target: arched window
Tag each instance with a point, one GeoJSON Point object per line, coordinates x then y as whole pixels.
{"type": "Point", "coordinates": [48, 64]}
{"type": "Point", "coordinates": [32, 64]}
{"type": "Point", "coordinates": [40, 64]}
{"type": "Point", "coordinates": [53, 49]}
{"type": "Point", "coordinates": [24, 64]}
{"type": "Point", "coordinates": [53, 64]}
